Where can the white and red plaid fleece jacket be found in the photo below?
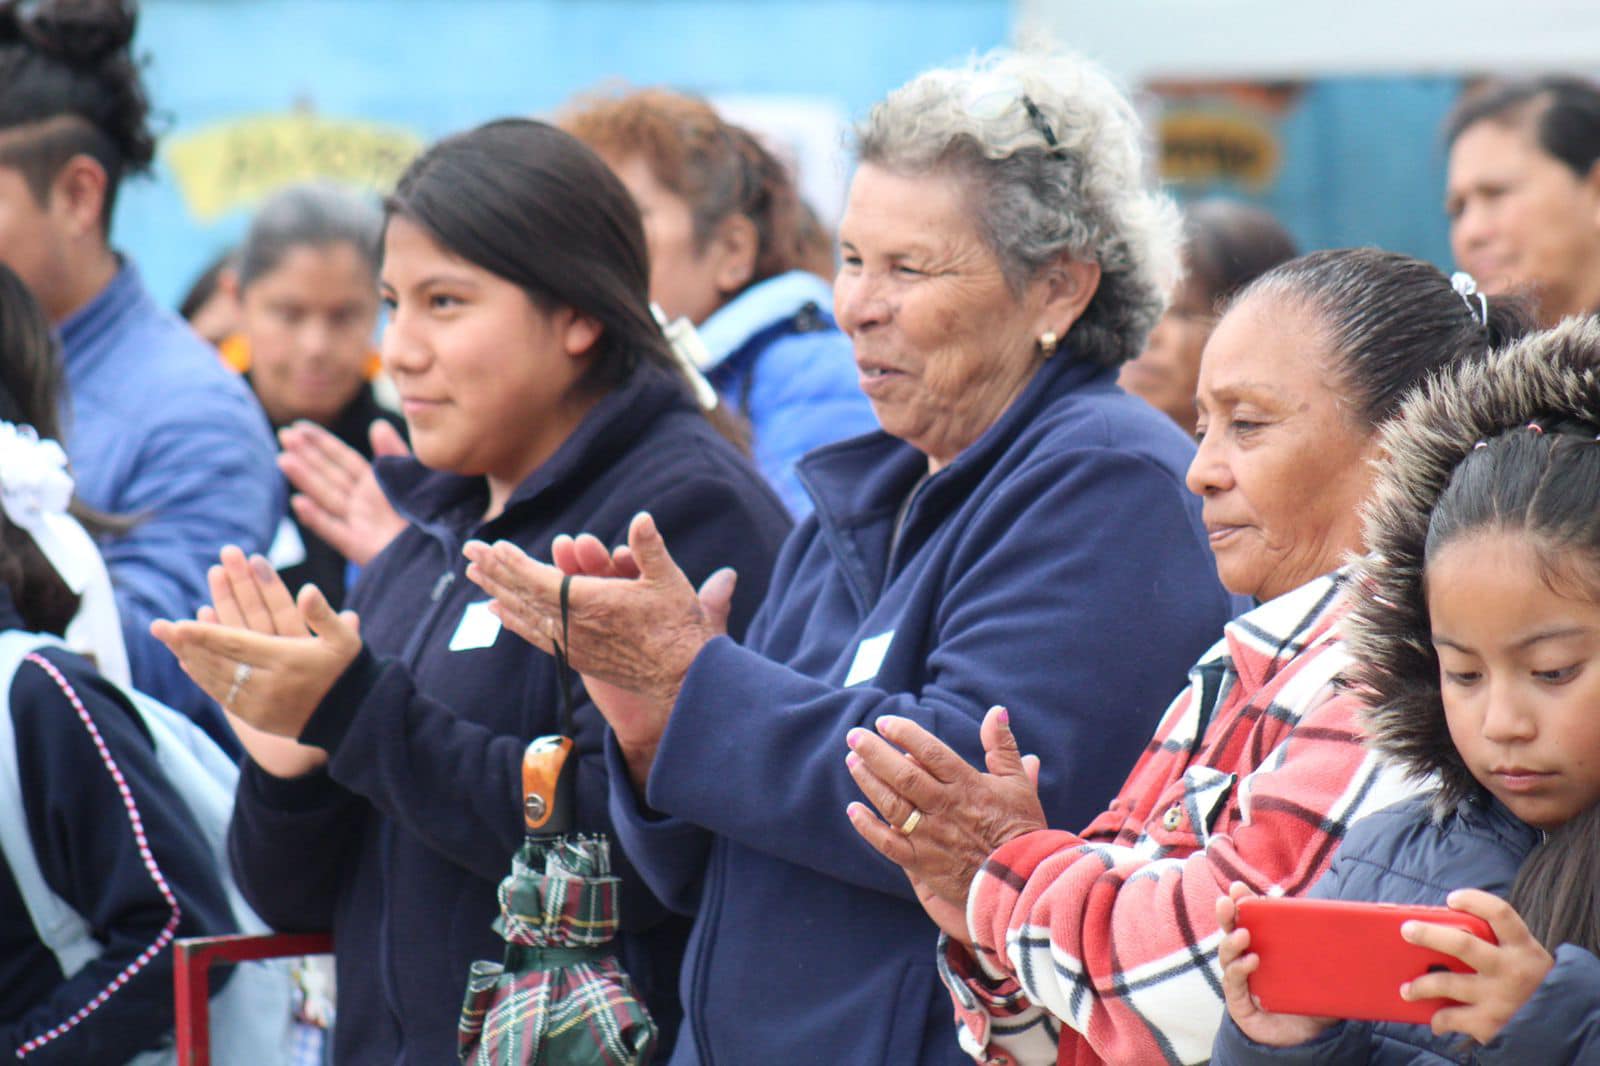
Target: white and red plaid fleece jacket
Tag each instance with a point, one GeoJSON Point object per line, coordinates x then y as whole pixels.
{"type": "Point", "coordinates": [1102, 947]}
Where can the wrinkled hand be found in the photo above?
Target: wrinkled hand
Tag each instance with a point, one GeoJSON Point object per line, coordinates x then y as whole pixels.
{"type": "Point", "coordinates": [966, 815]}
{"type": "Point", "coordinates": [337, 495]}
{"type": "Point", "coordinates": [635, 623]}
{"type": "Point", "coordinates": [1238, 962]}
{"type": "Point", "coordinates": [295, 651]}
{"type": "Point", "coordinates": [1506, 974]}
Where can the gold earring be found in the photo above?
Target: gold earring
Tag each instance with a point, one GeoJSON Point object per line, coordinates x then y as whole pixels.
{"type": "Point", "coordinates": [1047, 343]}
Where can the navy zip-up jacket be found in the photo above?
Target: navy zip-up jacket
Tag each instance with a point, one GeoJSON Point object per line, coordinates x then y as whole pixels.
{"type": "Point", "coordinates": [400, 844]}
{"type": "Point", "coordinates": [112, 839]}
{"type": "Point", "coordinates": [1058, 566]}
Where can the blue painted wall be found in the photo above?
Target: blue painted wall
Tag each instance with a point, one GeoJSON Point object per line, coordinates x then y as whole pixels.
{"type": "Point", "coordinates": [442, 65]}
{"type": "Point", "coordinates": [1364, 165]}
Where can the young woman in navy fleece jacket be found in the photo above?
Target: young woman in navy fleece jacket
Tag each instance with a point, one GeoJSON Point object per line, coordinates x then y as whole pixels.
{"type": "Point", "coordinates": [540, 397]}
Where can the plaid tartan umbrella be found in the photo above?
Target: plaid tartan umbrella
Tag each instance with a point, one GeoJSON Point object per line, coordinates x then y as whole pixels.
{"type": "Point", "coordinates": [559, 997]}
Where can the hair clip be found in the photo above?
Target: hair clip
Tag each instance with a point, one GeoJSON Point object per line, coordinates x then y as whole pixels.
{"type": "Point", "coordinates": [1480, 444]}
{"type": "Point", "coordinates": [1466, 287]}
{"type": "Point", "coordinates": [1537, 428]}
{"type": "Point", "coordinates": [1040, 123]}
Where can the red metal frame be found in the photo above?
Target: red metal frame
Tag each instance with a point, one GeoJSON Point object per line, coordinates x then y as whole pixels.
{"type": "Point", "coordinates": [191, 979]}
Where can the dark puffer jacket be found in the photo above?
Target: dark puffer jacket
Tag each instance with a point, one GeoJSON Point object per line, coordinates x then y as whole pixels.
{"type": "Point", "coordinates": [1420, 850]}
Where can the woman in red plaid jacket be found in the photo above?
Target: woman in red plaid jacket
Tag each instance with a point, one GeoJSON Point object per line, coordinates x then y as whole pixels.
{"type": "Point", "coordinates": [1100, 946]}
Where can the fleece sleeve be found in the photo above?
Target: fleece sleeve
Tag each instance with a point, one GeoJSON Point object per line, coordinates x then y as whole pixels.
{"type": "Point", "coordinates": [1035, 614]}
{"type": "Point", "coordinates": [119, 847]}
{"type": "Point", "coordinates": [1119, 943]}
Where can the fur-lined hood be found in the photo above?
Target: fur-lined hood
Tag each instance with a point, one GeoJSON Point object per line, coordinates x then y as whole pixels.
{"type": "Point", "coordinates": [1549, 375]}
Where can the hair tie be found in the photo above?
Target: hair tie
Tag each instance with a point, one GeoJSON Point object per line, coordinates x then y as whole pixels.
{"type": "Point", "coordinates": [1466, 287]}
{"type": "Point", "coordinates": [1537, 428]}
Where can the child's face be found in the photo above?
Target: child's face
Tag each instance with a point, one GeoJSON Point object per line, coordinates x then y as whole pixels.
{"type": "Point", "coordinates": [1519, 670]}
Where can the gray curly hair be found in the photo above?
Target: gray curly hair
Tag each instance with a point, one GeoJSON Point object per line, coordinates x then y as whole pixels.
{"type": "Point", "coordinates": [1085, 195]}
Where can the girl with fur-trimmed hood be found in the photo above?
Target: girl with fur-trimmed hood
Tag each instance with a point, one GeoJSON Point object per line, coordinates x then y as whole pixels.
{"type": "Point", "coordinates": [1476, 621]}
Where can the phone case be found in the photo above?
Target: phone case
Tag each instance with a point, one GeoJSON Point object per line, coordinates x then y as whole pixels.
{"type": "Point", "coordinates": [1345, 959]}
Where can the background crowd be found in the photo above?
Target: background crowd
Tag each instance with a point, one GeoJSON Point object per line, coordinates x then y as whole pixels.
{"type": "Point", "coordinates": [957, 610]}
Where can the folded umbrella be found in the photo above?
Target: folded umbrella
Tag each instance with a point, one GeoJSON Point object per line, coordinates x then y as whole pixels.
{"type": "Point", "coordinates": [559, 997]}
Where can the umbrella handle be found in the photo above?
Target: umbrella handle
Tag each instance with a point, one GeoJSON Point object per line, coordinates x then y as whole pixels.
{"type": "Point", "coordinates": [547, 785]}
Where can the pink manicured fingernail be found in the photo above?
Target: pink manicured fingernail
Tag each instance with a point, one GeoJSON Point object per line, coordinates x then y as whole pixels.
{"type": "Point", "coordinates": [852, 760]}
{"type": "Point", "coordinates": [853, 737]}
{"type": "Point", "coordinates": [1005, 716]}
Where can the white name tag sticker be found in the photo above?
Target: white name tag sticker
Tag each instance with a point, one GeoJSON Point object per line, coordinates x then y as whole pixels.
{"type": "Point", "coordinates": [287, 548]}
{"type": "Point", "coordinates": [478, 628]}
{"type": "Point", "coordinates": [869, 656]}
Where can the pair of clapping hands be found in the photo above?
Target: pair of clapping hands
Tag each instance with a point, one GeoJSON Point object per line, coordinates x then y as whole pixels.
{"type": "Point", "coordinates": [270, 659]}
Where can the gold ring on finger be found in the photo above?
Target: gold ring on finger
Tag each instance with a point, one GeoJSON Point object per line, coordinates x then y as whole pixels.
{"type": "Point", "coordinates": [913, 820]}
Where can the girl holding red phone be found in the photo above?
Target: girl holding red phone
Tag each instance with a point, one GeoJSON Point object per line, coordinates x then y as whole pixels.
{"type": "Point", "coordinates": [1476, 623]}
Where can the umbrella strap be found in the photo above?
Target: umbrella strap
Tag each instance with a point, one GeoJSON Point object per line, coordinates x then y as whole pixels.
{"type": "Point", "coordinates": [563, 672]}
{"type": "Point", "coordinates": [549, 955]}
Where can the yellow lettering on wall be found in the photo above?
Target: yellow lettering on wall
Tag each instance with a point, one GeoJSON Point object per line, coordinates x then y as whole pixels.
{"type": "Point", "coordinates": [236, 163]}
{"type": "Point", "coordinates": [1204, 146]}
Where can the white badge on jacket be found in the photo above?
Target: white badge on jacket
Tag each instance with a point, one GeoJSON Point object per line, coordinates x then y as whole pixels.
{"type": "Point", "coordinates": [869, 657]}
{"type": "Point", "coordinates": [478, 629]}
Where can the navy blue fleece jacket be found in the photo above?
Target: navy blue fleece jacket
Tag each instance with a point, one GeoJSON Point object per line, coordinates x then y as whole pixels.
{"type": "Point", "coordinates": [1057, 566]}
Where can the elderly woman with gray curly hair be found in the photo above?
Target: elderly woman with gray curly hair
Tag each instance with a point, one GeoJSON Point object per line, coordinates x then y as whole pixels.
{"type": "Point", "coordinates": [1018, 530]}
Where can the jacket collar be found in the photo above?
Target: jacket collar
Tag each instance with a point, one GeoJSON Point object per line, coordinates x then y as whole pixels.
{"type": "Point", "coordinates": [862, 483]}
{"type": "Point", "coordinates": [1260, 642]}
{"type": "Point", "coordinates": [81, 329]}
{"type": "Point", "coordinates": [449, 505]}
{"type": "Point", "coordinates": [758, 307]}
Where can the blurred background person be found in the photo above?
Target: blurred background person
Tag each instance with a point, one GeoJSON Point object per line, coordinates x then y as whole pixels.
{"type": "Point", "coordinates": [156, 428]}
{"type": "Point", "coordinates": [1523, 194]}
{"type": "Point", "coordinates": [209, 306]}
{"type": "Point", "coordinates": [731, 251]}
{"type": "Point", "coordinates": [305, 282]}
{"type": "Point", "coordinates": [1018, 530]}
{"type": "Point", "coordinates": [1226, 245]}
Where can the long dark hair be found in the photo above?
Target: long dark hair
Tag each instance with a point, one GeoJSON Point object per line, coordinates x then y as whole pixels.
{"type": "Point", "coordinates": [533, 205]}
{"type": "Point", "coordinates": [1545, 485]}
{"type": "Point", "coordinates": [31, 385]}
{"type": "Point", "coordinates": [69, 86]}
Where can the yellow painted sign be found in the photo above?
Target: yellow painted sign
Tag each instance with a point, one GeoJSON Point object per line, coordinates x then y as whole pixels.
{"type": "Point", "coordinates": [237, 163]}
{"type": "Point", "coordinates": [1205, 146]}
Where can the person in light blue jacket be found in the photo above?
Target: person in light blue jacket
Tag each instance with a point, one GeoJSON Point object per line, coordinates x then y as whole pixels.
{"type": "Point", "coordinates": [156, 428]}
{"type": "Point", "coordinates": [726, 233]}
{"type": "Point", "coordinates": [1475, 624]}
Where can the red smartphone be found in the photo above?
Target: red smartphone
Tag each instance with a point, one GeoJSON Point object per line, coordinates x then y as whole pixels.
{"type": "Point", "coordinates": [1345, 959]}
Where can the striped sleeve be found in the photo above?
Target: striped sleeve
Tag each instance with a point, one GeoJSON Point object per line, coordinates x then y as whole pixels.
{"type": "Point", "coordinates": [1118, 942]}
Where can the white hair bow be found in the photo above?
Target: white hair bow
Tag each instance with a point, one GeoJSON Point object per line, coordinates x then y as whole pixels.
{"type": "Point", "coordinates": [35, 492]}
